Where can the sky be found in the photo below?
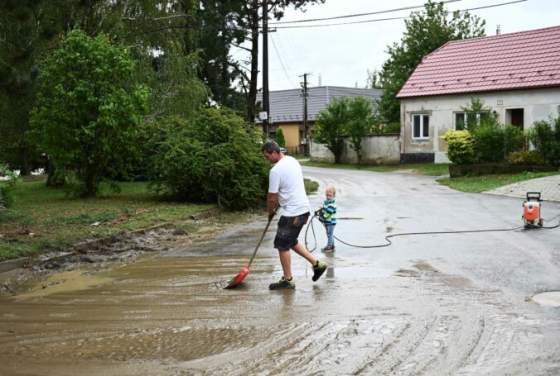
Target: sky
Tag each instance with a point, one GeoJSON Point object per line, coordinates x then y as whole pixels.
{"type": "Point", "coordinates": [342, 55]}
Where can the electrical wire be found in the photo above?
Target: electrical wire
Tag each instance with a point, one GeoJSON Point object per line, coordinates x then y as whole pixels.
{"type": "Point", "coordinates": [356, 14]}
{"type": "Point", "coordinates": [281, 61]}
{"type": "Point", "coordinates": [394, 18]}
{"type": "Point", "coordinates": [389, 242]}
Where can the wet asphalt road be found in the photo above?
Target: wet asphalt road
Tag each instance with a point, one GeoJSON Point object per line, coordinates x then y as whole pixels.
{"type": "Point", "coordinates": [432, 304]}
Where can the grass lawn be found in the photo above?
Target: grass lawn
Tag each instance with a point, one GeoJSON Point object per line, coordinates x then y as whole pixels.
{"type": "Point", "coordinates": [478, 184]}
{"type": "Point", "coordinates": [43, 218]}
{"type": "Point", "coordinates": [429, 169]}
{"type": "Point", "coordinates": [474, 184]}
{"type": "Point", "coordinates": [311, 186]}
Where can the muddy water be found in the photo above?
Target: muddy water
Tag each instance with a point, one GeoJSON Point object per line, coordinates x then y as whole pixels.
{"type": "Point", "coordinates": [419, 307]}
{"type": "Point", "coordinates": [170, 315]}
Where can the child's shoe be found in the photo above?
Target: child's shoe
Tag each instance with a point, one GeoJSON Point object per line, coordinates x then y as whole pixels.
{"type": "Point", "coordinates": [328, 249]}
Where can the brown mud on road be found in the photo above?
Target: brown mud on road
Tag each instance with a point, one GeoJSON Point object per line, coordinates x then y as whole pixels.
{"type": "Point", "coordinates": [428, 305]}
{"type": "Point", "coordinates": [171, 316]}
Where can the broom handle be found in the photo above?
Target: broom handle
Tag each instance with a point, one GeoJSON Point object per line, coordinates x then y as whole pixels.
{"type": "Point", "coordinates": [259, 243]}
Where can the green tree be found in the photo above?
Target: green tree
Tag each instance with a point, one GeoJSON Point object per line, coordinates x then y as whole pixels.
{"type": "Point", "coordinates": [359, 123]}
{"type": "Point", "coordinates": [280, 140]}
{"type": "Point", "coordinates": [29, 29]}
{"type": "Point", "coordinates": [88, 108]}
{"type": "Point", "coordinates": [213, 158]}
{"type": "Point", "coordinates": [220, 26]}
{"type": "Point", "coordinates": [331, 126]}
{"type": "Point", "coordinates": [23, 35]}
{"type": "Point", "coordinates": [252, 17]}
{"type": "Point", "coordinates": [425, 32]}
{"type": "Point", "coordinates": [477, 114]}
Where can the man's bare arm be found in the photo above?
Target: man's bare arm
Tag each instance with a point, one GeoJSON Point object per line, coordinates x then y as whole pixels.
{"type": "Point", "coordinates": [271, 203]}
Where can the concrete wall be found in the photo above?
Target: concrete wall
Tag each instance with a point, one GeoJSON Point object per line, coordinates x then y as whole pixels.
{"type": "Point", "coordinates": [375, 150]}
{"type": "Point", "coordinates": [538, 104]}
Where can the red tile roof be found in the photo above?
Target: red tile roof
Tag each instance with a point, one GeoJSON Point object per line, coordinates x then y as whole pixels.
{"type": "Point", "coordinates": [527, 59]}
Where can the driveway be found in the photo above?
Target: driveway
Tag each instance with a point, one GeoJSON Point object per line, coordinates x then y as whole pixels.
{"type": "Point", "coordinates": [549, 187]}
{"type": "Point", "coordinates": [456, 304]}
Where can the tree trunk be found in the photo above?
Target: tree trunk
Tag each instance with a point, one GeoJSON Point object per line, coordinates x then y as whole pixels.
{"type": "Point", "coordinates": [90, 184]}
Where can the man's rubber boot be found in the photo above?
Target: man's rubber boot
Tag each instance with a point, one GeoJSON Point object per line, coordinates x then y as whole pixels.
{"type": "Point", "coordinates": [318, 270]}
{"type": "Point", "coordinates": [283, 283]}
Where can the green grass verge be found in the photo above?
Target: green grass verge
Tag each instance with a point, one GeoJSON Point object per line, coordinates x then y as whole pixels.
{"type": "Point", "coordinates": [311, 186]}
{"type": "Point", "coordinates": [479, 184]}
{"type": "Point", "coordinates": [429, 169]}
{"type": "Point", "coordinates": [45, 218]}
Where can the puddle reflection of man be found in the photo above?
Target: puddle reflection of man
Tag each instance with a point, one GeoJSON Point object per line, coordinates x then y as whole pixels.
{"type": "Point", "coordinates": [287, 191]}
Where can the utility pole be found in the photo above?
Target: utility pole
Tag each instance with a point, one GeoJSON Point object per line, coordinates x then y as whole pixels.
{"type": "Point", "coordinates": [305, 126]}
{"type": "Point", "coordinates": [266, 103]}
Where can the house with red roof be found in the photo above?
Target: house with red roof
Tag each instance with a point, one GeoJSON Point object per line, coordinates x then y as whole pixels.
{"type": "Point", "coordinates": [516, 75]}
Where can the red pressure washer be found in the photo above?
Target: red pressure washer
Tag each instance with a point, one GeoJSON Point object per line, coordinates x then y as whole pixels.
{"type": "Point", "coordinates": [532, 210]}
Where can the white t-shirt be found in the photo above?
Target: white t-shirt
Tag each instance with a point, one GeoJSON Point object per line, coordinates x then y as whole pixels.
{"type": "Point", "coordinates": [286, 179]}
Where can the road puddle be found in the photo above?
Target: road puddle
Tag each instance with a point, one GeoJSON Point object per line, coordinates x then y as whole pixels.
{"type": "Point", "coordinates": [69, 281]}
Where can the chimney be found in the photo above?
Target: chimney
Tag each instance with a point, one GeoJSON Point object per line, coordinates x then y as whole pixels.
{"type": "Point", "coordinates": [498, 29]}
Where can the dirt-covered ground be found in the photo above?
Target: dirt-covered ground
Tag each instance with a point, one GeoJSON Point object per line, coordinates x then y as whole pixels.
{"type": "Point", "coordinates": [432, 304]}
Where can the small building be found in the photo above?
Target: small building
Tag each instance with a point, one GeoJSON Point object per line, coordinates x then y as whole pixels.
{"type": "Point", "coordinates": [287, 110]}
{"type": "Point", "coordinates": [516, 75]}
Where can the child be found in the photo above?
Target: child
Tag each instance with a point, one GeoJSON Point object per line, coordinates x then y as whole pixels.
{"type": "Point", "coordinates": [327, 215]}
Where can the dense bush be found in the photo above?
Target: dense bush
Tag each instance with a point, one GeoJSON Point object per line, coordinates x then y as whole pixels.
{"type": "Point", "coordinates": [493, 143]}
{"type": "Point", "coordinates": [460, 147]}
{"type": "Point", "coordinates": [525, 158]}
{"type": "Point", "coordinates": [514, 140]}
{"type": "Point", "coordinates": [488, 142]}
{"type": "Point", "coordinates": [7, 186]}
{"type": "Point", "coordinates": [545, 136]}
{"type": "Point", "coordinates": [213, 158]}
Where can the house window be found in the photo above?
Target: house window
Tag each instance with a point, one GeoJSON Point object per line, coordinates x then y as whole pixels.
{"type": "Point", "coordinates": [515, 117]}
{"type": "Point", "coordinates": [460, 121]}
{"type": "Point", "coordinates": [420, 126]}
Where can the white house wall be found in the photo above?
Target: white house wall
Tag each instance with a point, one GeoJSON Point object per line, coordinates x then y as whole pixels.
{"type": "Point", "coordinates": [538, 104]}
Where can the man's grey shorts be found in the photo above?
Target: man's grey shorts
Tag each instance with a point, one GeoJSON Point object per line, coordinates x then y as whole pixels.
{"type": "Point", "coordinates": [288, 231]}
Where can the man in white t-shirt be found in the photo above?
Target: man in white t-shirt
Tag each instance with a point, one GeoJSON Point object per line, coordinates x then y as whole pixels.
{"type": "Point", "coordinates": [287, 191]}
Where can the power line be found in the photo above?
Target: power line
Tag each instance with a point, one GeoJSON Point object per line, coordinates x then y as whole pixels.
{"type": "Point", "coordinates": [357, 14]}
{"type": "Point", "coordinates": [395, 18]}
{"type": "Point", "coordinates": [281, 61]}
